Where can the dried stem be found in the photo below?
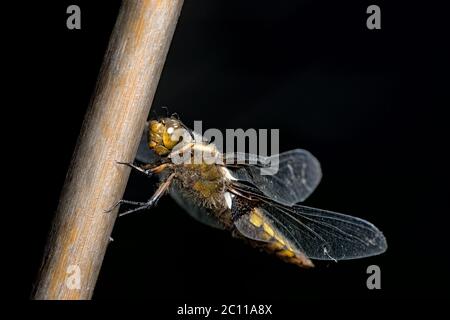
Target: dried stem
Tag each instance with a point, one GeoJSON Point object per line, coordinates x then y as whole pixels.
{"type": "Point", "coordinates": [111, 132]}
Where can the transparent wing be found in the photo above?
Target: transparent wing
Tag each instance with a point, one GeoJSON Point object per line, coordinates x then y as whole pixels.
{"type": "Point", "coordinates": [319, 234]}
{"type": "Point", "coordinates": [198, 213]}
{"type": "Point", "coordinates": [298, 175]}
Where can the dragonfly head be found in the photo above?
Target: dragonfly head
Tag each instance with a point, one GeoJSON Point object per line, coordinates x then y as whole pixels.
{"type": "Point", "coordinates": [164, 135]}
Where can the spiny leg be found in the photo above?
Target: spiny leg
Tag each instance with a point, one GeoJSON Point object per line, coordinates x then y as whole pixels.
{"type": "Point", "coordinates": [147, 169]}
{"type": "Point", "coordinates": [118, 203]}
{"type": "Point", "coordinates": [156, 168]}
{"type": "Point", "coordinates": [133, 166]}
{"type": "Point", "coordinates": [163, 187]}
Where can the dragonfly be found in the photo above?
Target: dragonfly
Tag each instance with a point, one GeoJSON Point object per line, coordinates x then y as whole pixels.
{"type": "Point", "coordinates": [263, 210]}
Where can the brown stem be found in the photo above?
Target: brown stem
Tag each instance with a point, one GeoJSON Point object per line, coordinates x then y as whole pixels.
{"type": "Point", "coordinates": [111, 132]}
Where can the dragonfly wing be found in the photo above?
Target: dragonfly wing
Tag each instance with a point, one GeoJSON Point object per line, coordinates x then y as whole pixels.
{"type": "Point", "coordinates": [298, 175]}
{"type": "Point", "coordinates": [198, 213]}
{"type": "Point", "coordinates": [257, 227]}
{"type": "Point", "coordinates": [318, 234]}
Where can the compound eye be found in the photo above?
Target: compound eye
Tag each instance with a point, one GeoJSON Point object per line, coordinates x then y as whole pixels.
{"type": "Point", "coordinates": [155, 127]}
{"type": "Point", "coordinates": [169, 139]}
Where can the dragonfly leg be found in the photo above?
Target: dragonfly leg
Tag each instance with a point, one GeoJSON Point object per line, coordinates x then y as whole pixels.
{"type": "Point", "coordinates": [118, 203]}
{"type": "Point", "coordinates": [147, 169]}
{"type": "Point", "coordinates": [155, 168]}
{"type": "Point", "coordinates": [133, 166]}
{"type": "Point", "coordinates": [163, 187]}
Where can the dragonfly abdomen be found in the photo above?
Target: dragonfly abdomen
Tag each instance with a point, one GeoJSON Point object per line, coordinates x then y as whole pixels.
{"type": "Point", "coordinates": [261, 233]}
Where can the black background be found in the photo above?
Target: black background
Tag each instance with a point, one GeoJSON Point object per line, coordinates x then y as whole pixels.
{"type": "Point", "coordinates": [368, 103]}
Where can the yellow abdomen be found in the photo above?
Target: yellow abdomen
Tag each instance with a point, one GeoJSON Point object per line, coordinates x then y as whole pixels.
{"type": "Point", "coordinates": [274, 242]}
